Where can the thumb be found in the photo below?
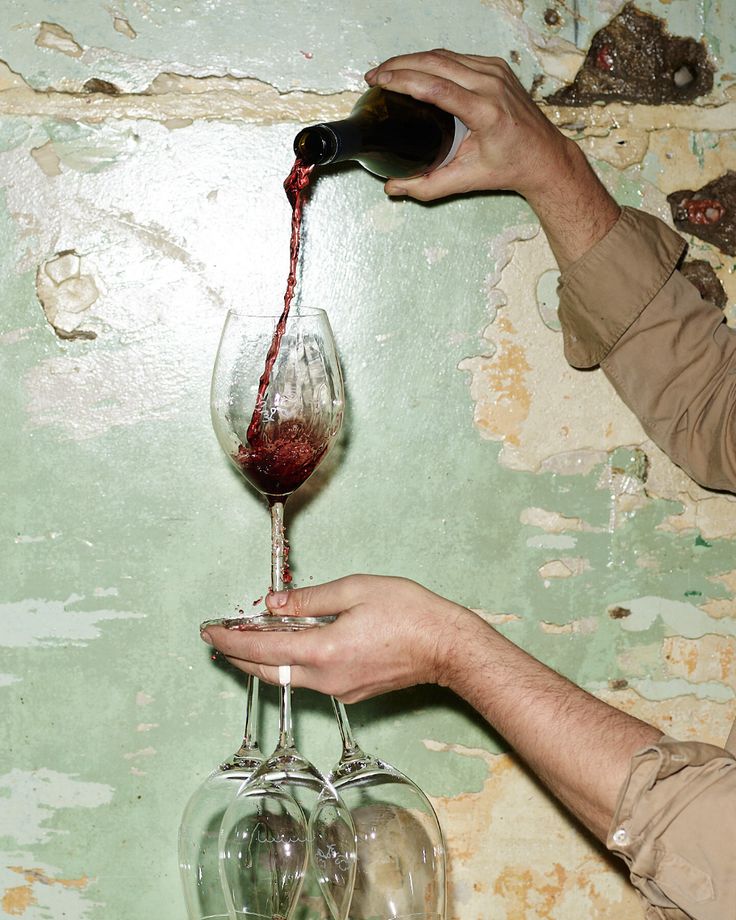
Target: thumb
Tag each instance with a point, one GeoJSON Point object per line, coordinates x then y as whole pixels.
{"type": "Point", "coordinates": [448, 180]}
{"type": "Point", "coordinates": [327, 599]}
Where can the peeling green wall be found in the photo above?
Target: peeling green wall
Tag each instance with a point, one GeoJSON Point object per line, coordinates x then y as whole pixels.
{"type": "Point", "coordinates": [472, 459]}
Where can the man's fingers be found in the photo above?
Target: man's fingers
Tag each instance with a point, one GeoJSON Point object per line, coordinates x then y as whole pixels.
{"type": "Point", "coordinates": [271, 648]}
{"type": "Point", "coordinates": [461, 68]}
{"type": "Point", "coordinates": [267, 673]}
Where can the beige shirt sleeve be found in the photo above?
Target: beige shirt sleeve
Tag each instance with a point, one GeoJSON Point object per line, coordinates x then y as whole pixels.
{"type": "Point", "coordinates": [675, 827]}
{"type": "Point", "coordinates": [668, 353]}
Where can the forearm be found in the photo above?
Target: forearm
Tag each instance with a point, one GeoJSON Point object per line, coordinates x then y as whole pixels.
{"type": "Point", "coordinates": [572, 204]}
{"type": "Point", "coordinates": [578, 746]}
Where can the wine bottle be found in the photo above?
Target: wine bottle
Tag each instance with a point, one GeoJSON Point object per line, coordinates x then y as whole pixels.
{"type": "Point", "coordinates": [390, 134]}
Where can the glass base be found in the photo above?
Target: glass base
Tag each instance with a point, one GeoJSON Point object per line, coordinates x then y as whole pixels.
{"type": "Point", "coordinates": [268, 622]}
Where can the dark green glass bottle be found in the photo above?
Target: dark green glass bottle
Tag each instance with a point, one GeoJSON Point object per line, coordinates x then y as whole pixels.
{"type": "Point", "coordinates": [390, 134]}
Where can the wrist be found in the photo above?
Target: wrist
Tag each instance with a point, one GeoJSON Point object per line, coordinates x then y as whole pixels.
{"type": "Point", "coordinates": [463, 632]}
{"type": "Point", "coordinates": [573, 206]}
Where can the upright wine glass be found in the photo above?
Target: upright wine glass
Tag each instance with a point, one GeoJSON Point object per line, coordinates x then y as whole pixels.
{"type": "Point", "coordinates": [277, 406]}
{"type": "Point", "coordinates": [401, 870]}
{"type": "Point", "coordinates": [200, 824]}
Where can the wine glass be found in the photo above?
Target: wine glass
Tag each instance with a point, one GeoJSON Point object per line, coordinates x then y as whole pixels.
{"type": "Point", "coordinates": [401, 870]}
{"type": "Point", "coordinates": [200, 824]}
{"type": "Point", "coordinates": [277, 406]}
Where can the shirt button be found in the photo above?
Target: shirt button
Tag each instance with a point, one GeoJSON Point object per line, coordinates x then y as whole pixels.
{"type": "Point", "coordinates": [621, 837]}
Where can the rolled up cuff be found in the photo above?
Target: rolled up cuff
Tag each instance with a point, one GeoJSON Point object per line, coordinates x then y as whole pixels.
{"type": "Point", "coordinates": [607, 288]}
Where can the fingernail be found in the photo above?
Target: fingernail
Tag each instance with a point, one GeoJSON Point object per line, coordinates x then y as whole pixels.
{"type": "Point", "coordinates": [396, 191]}
{"type": "Point", "coordinates": [277, 599]}
{"type": "Point", "coordinates": [205, 637]}
{"type": "Point", "coordinates": [369, 74]}
{"type": "Point", "coordinates": [384, 77]}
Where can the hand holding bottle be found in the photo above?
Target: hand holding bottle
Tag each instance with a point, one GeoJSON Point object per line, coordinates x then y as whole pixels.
{"type": "Point", "coordinates": [512, 145]}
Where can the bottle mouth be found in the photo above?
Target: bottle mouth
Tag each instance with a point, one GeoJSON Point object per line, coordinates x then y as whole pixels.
{"type": "Point", "coordinates": [316, 145]}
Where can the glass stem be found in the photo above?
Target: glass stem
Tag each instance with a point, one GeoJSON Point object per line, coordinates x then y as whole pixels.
{"type": "Point", "coordinates": [278, 559]}
{"type": "Point", "coordinates": [350, 746]}
{"type": "Point", "coordinates": [278, 545]}
{"type": "Point", "coordinates": [250, 733]}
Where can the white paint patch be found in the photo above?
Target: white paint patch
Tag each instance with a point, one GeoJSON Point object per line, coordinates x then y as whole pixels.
{"type": "Point", "coordinates": [552, 541]}
{"type": "Point", "coordinates": [496, 619]}
{"type": "Point", "coordinates": [30, 798]}
{"type": "Point", "coordinates": [34, 622]}
{"type": "Point", "coordinates": [30, 538]}
{"type": "Point", "coordinates": [7, 679]}
{"type": "Point", "coordinates": [500, 251]}
{"type": "Point", "coordinates": [682, 618]}
{"type": "Point", "coordinates": [554, 522]}
{"type": "Point", "coordinates": [565, 567]}
{"type": "Point", "coordinates": [583, 627]}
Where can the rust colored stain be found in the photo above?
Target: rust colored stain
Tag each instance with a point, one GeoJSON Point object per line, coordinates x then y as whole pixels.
{"type": "Point", "coordinates": [16, 901]}
{"type": "Point", "coordinates": [524, 890]}
{"type": "Point", "coordinates": [506, 401]}
{"type": "Point", "coordinates": [711, 658]}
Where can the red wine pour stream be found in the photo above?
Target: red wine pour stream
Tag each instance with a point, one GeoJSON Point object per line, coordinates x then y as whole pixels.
{"type": "Point", "coordinates": [279, 458]}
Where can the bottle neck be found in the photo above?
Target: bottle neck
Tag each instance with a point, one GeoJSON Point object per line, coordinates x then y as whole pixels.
{"type": "Point", "coordinates": [329, 142]}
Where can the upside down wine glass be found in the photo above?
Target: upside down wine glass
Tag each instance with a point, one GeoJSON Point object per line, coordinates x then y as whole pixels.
{"type": "Point", "coordinates": [276, 425]}
{"type": "Point", "coordinates": [200, 824]}
{"type": "Point", "coordinates": [401, 870]}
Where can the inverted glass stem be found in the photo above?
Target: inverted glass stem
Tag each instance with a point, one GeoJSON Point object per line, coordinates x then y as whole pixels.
{"type": "Point", "coordinates": [250, 733]}
{"type": "Point", "coordinates": [350, 746]}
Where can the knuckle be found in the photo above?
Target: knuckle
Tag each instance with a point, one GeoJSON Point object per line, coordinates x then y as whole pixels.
{"type": "Point", "coordinates": [437, 57]}
{"type": "Point", "coordinates": [323, 655]}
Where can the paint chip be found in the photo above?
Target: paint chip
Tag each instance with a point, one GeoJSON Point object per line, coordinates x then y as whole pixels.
{"type": "Point", "coordinates": [66, 294]}
{"type": "Point", "coordinates": [47, 159]}
{"type": "Point", "coordinates": [56, 38]}
{"type": "Point", "coordinates": [121, 25]}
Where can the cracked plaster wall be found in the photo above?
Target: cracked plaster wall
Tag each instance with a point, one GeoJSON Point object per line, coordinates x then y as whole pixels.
{"type": "Point", "coordinates": [142, 149]}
